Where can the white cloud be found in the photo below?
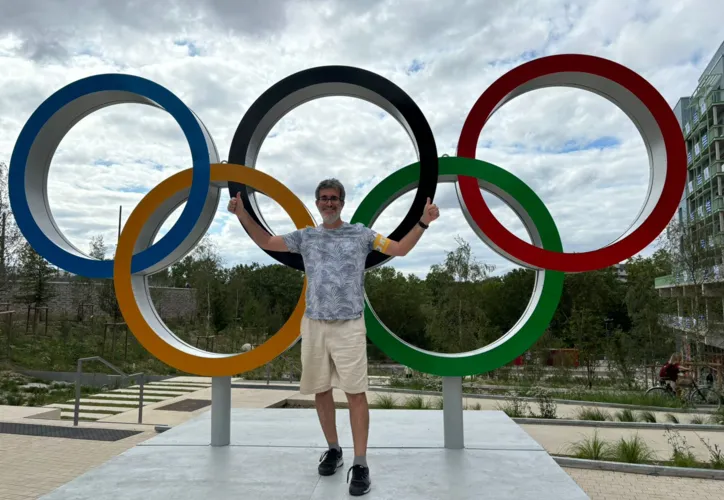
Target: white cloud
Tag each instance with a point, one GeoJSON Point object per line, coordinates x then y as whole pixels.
{"type": "Point", "coordinates": [219, 56]}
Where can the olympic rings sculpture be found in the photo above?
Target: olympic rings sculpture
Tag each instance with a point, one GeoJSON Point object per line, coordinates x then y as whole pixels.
{"type": "Point", "coordinates": [137, 256]}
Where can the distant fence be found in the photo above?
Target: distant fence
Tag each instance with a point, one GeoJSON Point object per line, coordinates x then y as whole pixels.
{"type": "Point", "coordinates": [88, 379]}
{"type": "Point", "coordinates": [68, 297]}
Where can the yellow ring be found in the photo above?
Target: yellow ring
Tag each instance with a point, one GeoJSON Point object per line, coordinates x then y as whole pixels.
{"type": "Point", "coordinates": [190, 363]}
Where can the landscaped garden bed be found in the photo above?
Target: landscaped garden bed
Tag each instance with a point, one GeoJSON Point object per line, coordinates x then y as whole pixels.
{"type": "Point", "coordinates": [20, 390]}
{"type": "Point", "coordinates": [635, 450]}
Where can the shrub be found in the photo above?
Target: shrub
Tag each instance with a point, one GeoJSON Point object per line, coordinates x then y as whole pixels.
{"type": "Point", "coordinates": [514, 407]}
{"type": "Point", "coordinates": [633, 451]}
{"type": "Point", "coordinates": [548, 408]}
{"type": "Point", "coordinates": [717, 418]}
{"type": "Point", "coordinates": [416, 403]}
{"type": "Point", "coordinates": [681, 452]}
{"type": "Point", "coordinates": [670, 417]}
{"type": "Point", "coordinates": [385, 401]}
{"type": "Point", "coordinates": [591, 448]}
{"type": "Point", "coordinates": [647, 416]}
{"type": "Point", "coordinates": [626, 416]}
{"type": "Point", "coordinates": [592, 414]}
{"type": "Point", "coordinates": [716, 459]}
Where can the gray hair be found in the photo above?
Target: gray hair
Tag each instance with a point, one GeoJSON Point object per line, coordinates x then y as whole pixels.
{"type": "Point", "coordinates": [330, 184]}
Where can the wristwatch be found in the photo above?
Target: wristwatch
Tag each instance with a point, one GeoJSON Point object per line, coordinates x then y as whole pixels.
{"type": "Point", "coordinates": [422, 224]}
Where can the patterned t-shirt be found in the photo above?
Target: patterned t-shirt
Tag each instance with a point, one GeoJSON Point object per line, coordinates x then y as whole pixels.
{"type": "Point", "coordinates": [334, 263]}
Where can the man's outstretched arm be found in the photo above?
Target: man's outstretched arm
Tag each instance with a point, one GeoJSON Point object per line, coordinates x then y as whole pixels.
{"type": "Point", "coordinates": [265, 240]}
{"type": "Point", "coordinates": [408, 242]}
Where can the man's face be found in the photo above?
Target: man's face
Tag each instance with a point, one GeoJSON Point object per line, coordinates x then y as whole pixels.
{"type": "Point", "coordinates": [329, 205]}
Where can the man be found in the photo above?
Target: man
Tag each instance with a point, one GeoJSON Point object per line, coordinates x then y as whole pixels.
{"type": "Point", "coordinates": [670, 372]}
{"type": "Point", "coordinates": [334, 337]}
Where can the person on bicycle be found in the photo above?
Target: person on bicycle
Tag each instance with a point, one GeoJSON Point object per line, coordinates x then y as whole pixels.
{"type": "Point", "coordinates": [670, 373]}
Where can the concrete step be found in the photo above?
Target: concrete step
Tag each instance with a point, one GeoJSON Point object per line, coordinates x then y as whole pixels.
{"type": "Point", "coordinates": [179, 384]}
{"type": "Point", "coordinates": [165, 388]}
{"type": "Point", "coordinates": [131, 397]}
{"type": "Point", "coordinates": [107, 401]}
{"type": "Point", "coordinates": [193, 386]}
{"type": "Point", "coordinates": [89, 416]}
{"type": "Point", "coordinates": [186, 379]}
{"type": "Point", "coordinates": [90, 408]}
{"type": "Point", "coordinates": [146, 391]}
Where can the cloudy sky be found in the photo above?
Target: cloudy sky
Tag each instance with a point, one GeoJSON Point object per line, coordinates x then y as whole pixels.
{"type": "Point", "coordinates": [579, 152]}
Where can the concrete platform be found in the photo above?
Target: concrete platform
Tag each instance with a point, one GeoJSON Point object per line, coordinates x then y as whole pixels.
{"type": "Point", "coordinates": [274, 455]}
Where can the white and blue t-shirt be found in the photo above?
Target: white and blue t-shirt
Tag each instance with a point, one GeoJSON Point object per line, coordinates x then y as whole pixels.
{"type": "Point", "coordinates": [334, 262]}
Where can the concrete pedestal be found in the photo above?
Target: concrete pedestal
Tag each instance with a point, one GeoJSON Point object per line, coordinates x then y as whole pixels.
{"type": "Point", "coordinates": [274, 453]}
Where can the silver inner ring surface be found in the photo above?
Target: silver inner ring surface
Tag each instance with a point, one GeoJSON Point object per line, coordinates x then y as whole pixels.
{"type": "Point", "coordinates": [36, 189]}
{"type": "Point", "coordinates": [533, 234]}
{"type": "Point", "coordinates": [301, 96]}
{"type": "Point", "coordinates": [139, 281]}
{"type": "Point", "coordinates": [44, 147]}
{"type": "Point", "coordinates": [639, 114]}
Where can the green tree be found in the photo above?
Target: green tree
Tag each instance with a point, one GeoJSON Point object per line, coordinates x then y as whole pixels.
{"type": "Point", "coordinates": [399, 302]}
{"type": "Point", "coordinates": [456, 320]}
{"type": "Point", "coordinates": [107, 300]}
{"type": "Point", "coordinates": [587, 331]}
{"type": "Point", "coordinates": [35, 275]}
{"type": "Point", "coordinates": [652, 340]}
{"type": "Point", "coordinates": [11, 240]}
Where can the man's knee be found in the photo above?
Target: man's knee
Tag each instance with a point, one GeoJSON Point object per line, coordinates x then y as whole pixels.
{"type": "Point", "coordinates": [356, 398]}
{"type": "Point", "coordinates": [323, 394]}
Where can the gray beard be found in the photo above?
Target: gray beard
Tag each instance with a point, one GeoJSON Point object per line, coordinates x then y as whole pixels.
{"type": "Point", "coordinates": [330, 219]}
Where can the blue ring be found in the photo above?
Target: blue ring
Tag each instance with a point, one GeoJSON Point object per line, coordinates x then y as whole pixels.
{"type": "Point", "coordinates": [189, 216]}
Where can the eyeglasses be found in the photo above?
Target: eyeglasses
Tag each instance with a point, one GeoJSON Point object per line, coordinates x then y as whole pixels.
{"type": "Point", "coordinates": [325, 199]}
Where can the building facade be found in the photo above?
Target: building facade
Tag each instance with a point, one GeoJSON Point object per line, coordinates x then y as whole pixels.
{"type": "Point", "coordinates": [696, 285]}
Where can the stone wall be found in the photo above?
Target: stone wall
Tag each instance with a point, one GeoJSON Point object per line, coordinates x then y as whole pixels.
{"type": "Point", "coordinates": [67, 297]}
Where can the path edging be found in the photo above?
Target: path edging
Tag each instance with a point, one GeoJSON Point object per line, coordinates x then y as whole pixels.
{"type": "Point", "coordinates": [660, 409]}
{"type": "Point", "coordinates": [618, 425]}
{"type": "Point", "coordinates": [649, 470]}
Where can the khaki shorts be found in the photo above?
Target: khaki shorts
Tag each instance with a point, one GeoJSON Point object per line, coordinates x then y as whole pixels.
{"type": "Point", "coordinates": [334, 354]}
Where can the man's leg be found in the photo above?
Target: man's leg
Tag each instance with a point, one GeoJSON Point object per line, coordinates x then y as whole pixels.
{"type": "Point", "coordinates": [317, 380]}
{"type": "Point", "coordinates": [348, 348]}
{"type": "Point", "coordinates": [324, 402]}
{"type": "Point", "coordinates": [359, 416]}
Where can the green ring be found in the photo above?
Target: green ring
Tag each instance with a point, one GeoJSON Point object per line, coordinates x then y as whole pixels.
{"type": "Point", "coordinates": [501, 351]}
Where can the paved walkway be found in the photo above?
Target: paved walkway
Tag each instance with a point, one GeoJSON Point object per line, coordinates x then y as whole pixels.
{"type": "Point", "coordinates": [604, 485]}
{"type": "Point", "coordinates": [33, 466]}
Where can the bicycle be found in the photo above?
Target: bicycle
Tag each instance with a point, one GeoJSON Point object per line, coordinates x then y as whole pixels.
{"type": "Point", "coordinates": [695, 394]}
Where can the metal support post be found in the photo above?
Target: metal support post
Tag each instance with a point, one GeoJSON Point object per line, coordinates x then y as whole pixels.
{"type": "Point", "coordinates": [76, 408]}
{"type": "Point", "coordinates": [220, 411]}
{"type": "Point", "coordinates": [140, 399]}
{"type": "Point", "coordinates": [452, 412]}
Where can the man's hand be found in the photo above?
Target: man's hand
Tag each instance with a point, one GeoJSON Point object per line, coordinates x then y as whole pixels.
{"type": "Point", "coordinates": [236, 206]}
{"type": "Point", "coordinates": [430, 213]}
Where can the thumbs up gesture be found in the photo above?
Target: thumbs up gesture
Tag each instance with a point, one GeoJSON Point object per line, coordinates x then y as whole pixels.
{"type": "Point", "coordinates": [430, 213]}
{"type": "Point", "coordinates": [236, 206]}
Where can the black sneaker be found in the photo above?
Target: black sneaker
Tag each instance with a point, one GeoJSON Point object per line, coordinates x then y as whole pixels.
{"type": "Point", "coordinates": [361, 482]}
{"type": "Point", "coordinates": [330, 461]}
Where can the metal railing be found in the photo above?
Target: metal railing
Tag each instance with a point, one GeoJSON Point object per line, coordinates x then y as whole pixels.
{"type": "Point", "coordinates": [292, 367]}
{"type": "Point", "coordinates": [124, 376]}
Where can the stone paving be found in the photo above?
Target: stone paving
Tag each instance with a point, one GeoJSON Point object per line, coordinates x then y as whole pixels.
{"type": "Point", "coordinates": [604, 485]}
{"type": "Point", "coordinates": [33, 466]}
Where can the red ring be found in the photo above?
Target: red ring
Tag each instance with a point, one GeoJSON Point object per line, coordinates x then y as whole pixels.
{"type": "Point", "coordinates": [619, 251]}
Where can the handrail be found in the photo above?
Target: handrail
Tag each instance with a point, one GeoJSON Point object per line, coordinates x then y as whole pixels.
{"type": "Point", "coordinates": [79, 372]}
{"type": "Point", "coordinates": [292, 366]}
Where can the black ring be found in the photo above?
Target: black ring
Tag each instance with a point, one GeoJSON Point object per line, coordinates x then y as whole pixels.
{"type": "Point", "coordinates": [323, 81]}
